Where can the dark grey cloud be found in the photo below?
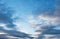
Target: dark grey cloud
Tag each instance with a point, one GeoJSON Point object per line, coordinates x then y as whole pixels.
{"type": "Point", "coordinates": [6, 14]}
{"type": "Point", "coordinates": [48, 31]}
{"type": "Point", "coordinates": [13, 33]}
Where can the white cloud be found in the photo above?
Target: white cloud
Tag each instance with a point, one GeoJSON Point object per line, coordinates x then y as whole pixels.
{"type": "Point", "coordinates": [4, 26]}
{"type": "Point", "coordinates": [49, 20]}
{"type": "Point", "coordinates": [1, 32]}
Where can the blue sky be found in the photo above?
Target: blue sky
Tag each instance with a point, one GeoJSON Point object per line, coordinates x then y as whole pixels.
{"type": "Point", "coordinates": [29, 8]}
{"type": "Point", "coordinates": [28, 13]}
{"type": "Point", "coordinates": [23, 10]}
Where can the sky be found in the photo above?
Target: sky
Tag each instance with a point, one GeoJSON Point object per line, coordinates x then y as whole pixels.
{"type": "Point", "coordinates": [29, 13]}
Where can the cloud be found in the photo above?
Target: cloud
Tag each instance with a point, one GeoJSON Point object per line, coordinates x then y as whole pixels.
{"type": "Point", "coordinates": [6, 18]}
{"type": "Point", "coordinates": [13, 33]}
{"type": "Point", "coordinates": [52, 15]}
{"type": "Point", "coordinates": [48, 19]}
{"type": "Point", "coordinates": [6, 14]}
